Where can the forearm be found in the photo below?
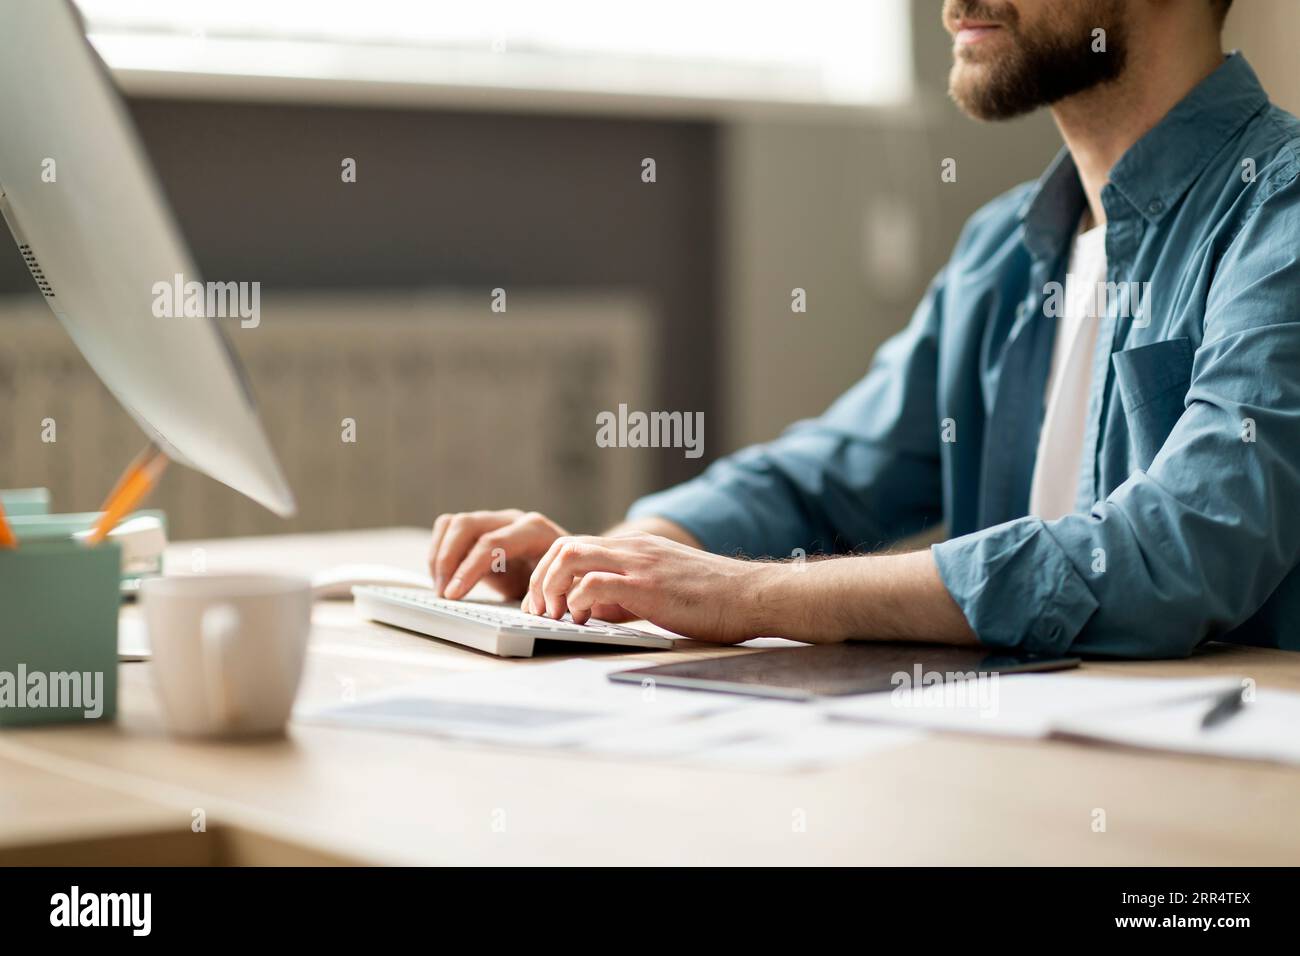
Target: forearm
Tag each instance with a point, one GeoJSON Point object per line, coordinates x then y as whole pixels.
{"type": "Point", "coordinates": [874, 597]}
{"type": "Point", "coordinates": [654, 525]}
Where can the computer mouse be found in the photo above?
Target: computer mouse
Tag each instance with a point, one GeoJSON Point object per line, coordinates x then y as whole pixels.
{"type": "Point", "coordinates": [336, 583]}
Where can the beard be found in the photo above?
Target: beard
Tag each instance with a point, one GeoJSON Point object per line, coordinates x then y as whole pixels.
{"type": "Point", "coordinates": [1037, 65]}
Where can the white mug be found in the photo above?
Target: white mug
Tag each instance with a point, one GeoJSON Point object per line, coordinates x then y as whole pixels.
{"type": "Point", "coordinates": [228, 650]}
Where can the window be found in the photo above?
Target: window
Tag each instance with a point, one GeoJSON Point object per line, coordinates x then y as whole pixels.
{"type": "Point", "coordinates": [719, 51]}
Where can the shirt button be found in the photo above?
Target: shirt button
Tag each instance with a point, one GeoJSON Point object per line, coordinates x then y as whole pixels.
{"type": "Point", "coordinates": [1155, 207]}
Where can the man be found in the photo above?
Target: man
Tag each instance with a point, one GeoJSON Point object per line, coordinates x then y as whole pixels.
{"type": "Point", "coordinates": [1119, 473]}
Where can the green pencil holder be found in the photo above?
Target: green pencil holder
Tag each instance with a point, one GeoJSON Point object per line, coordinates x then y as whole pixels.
{"type": "Point", "coordinates": [25, 501]}
{"type": "Point", "coordinates": [59, 602]}
{"type": "Point", "coordinates": [45, 526]}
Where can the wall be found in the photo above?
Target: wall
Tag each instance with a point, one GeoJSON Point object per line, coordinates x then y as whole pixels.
{"type": "Point", "coordinates": [462, 202]}
{"type": "Point", "coordinates": [855, 214]}
{"type": "Point", "coordinates": [1267, 32]}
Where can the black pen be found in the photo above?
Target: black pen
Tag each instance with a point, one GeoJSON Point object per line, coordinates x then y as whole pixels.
{"type": "Point", "coordinates": [1224, 707]}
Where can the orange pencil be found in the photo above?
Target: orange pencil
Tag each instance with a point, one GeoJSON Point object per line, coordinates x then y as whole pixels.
{"type": "Point", "coordinates": [7, 539]}
{"type": "Point", "coordinates": [136, 482]}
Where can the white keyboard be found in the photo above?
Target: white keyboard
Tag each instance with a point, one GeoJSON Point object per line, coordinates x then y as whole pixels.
{"type": "Point", "coordinates": [494, 628]}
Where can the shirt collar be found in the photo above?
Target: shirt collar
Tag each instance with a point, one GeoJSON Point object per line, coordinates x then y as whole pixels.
{"type": "Point", "coordinates": [1050, 213]}
{"type": "Point", "coordinates": [1156, 170]}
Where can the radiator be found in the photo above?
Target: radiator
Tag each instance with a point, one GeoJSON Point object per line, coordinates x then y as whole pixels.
{"type": "Point", "coordinates": [455, 408]}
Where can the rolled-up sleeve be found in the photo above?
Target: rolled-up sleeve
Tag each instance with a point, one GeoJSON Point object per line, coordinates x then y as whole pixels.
{"type": "Point", "coordinates": [864, 474]}
{"type": "Point", "coordinates": [1194, 545]}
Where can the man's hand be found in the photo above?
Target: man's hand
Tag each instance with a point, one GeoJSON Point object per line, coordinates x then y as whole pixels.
{"type": "Point", "coordinates": [468, 546]}
{"type": "Point", "coordinates": [676, 586]}
{"type": "Point", "coordinates": [629, 574]}
{"type": "Point", "coordinates": [727, 600]}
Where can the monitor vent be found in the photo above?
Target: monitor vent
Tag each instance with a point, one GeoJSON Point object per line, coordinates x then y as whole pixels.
{"type": "Point", "coordinates": [37, 272]}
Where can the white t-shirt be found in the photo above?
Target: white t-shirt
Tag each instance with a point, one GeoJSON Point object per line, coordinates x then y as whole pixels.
{"type": "Point", "coordinates": [1060, 442]}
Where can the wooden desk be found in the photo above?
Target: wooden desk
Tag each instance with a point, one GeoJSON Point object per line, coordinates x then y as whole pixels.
{"type": "Point", "coordinates": [128, 792]}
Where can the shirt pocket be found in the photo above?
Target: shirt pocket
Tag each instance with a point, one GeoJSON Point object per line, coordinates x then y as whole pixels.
{"type": "Point", "coordinates": [1153, 381]}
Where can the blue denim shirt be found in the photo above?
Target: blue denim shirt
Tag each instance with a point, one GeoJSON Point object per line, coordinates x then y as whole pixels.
{"type": "Point", "coordinates": [1187, 525]}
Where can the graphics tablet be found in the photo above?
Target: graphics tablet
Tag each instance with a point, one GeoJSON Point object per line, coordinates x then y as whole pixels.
{"type": "Point", "coordinates": [832, 670]}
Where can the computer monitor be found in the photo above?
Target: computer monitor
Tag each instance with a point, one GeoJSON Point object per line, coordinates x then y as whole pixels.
{"type": "Point", "coordinates": [81, 199]}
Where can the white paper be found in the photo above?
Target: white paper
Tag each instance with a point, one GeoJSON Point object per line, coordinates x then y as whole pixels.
{"type": "Point", "coordinates": [562, 704]}
{"type": "Point", "coordinates": [825, 745]}
{"type": "Point", "coordinates": [1019, 705]}
{"type": "Point", "coordinates": [1267, 728]}
{"type": "Point", "coordinates": [573, 705]}
{"type": "Point", "coordinates": [806, 744]}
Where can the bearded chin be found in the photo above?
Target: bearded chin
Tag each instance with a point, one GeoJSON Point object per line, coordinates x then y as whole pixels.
{"type": "Point", "coordinates": [1039, 72]}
